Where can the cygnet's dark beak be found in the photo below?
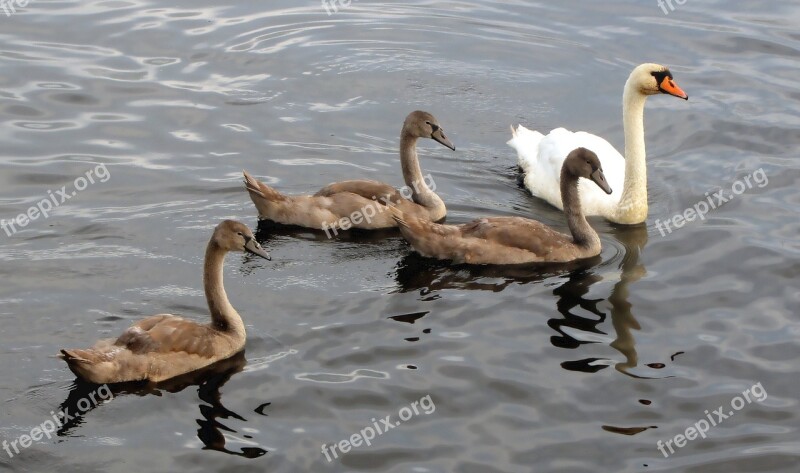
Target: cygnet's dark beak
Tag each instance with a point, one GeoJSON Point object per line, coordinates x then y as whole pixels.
{"type": "Point", "coordinates": [600, 179]}
{"type": "Point", "coordinates": [438, 135]}
{"type": "Point", "coordinates": [253, 247]}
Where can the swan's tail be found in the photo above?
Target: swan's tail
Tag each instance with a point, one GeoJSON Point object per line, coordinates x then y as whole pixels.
{"type": "Point", "coordinates": [258, 189]}
{"type": "Point", "coordinates": [526, 142]}
{"type": "Point", "coordinates": [398, 217]}
{"type": "Point", "coordinates": [75, 356]}
{"type": "Point", "coordinates": [429, 238]}
{"type": "Point", "coordinates": [266, 199]}
{"type": "Point", "coordinates": [410, 225]}
{"type": "Point", "coordinates": [419, 233]}
{"type": "Point", "coordinates": [86, 364]}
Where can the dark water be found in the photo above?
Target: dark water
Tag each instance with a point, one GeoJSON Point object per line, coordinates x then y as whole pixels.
{"type": "Point", "coordinates": [577, 369]}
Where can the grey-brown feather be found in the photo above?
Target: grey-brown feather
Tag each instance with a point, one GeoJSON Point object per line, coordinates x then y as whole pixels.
{"type": "Point", "coordinates": [513, 240]}
{"type": "Point", "coordinates": [362, 202]}
{"type": "Point", "coordinates": [164, 346]}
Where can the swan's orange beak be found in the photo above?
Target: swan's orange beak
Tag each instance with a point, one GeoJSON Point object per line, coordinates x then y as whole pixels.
{"type": "Point", "coordinates": [668, 86]}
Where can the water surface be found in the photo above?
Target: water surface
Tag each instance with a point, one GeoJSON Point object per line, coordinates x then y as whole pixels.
{"type": "Point", "coordinates": [579, 369]}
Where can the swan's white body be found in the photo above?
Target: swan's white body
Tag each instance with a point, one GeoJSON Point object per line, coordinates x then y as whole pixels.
{"type": "Point", "coordinates": [541, 157]}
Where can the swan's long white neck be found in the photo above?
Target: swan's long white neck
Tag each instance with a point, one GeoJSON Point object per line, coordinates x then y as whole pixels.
{"type": "Point", "coordinates": [633, 201]}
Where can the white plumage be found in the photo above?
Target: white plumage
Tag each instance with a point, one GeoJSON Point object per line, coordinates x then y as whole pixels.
{"type": "Point", "coordinates": [541, 158]}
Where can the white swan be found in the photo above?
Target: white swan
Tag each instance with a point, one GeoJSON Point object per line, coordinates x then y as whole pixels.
{"type": "Point", "coordinates": [541, 157]}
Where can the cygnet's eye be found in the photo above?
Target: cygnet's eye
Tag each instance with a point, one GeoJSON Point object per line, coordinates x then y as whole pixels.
{"type": "Point", "coordinates": [433, 126]}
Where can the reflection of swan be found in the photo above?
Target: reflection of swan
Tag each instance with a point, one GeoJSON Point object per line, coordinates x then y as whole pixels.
{"type": "Point", "coordinates": [570, 296]}
{"type": "Point", "coordinates": [633, 239]}
{"type": "Point", "coordinates": [418, 273]}
{"type": "Point", "coordinates": [209, 381]}
{"type": "Point", "coordinates": [211, 430]}
{"type": "Point", "coordinates": [429, 276]}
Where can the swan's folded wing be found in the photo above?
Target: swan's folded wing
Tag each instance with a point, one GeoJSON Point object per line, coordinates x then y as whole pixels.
{"type": "Point", "coordinates": [526, 143]}
{"type": "Point", "coordinates": [517, 232]}
{"type": "Point", "coordinates": [560, 142]}
{"type": "Point", "coordinates": [168, 334]}
{"type": "Point", "coordinates": [372, 190]}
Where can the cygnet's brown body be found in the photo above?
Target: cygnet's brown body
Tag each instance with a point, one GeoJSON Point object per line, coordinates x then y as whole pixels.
{"type": "Point", "coordinates": [515, 240]}
{"type": "Point", "coordinates": [164, 346]}
{"type": "Point", "coordinates": [360, 203]}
